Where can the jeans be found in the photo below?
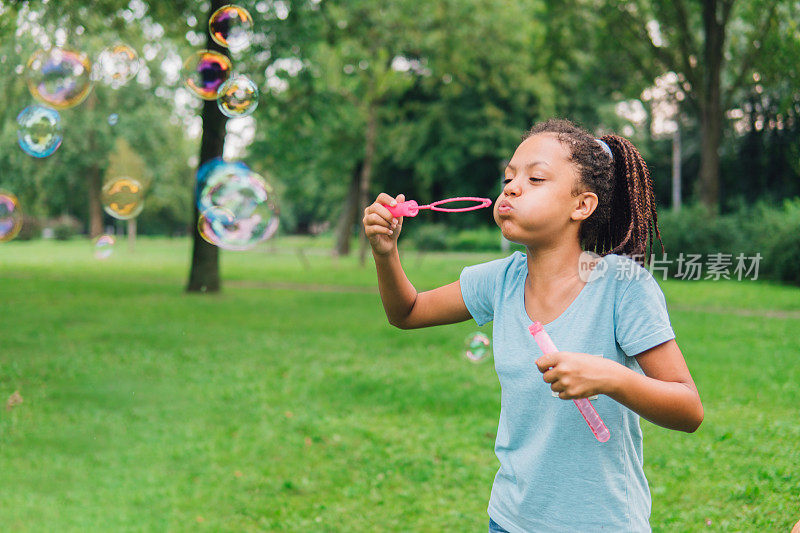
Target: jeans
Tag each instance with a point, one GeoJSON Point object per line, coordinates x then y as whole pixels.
{"type": "Point", "coordinates": [494, 527]}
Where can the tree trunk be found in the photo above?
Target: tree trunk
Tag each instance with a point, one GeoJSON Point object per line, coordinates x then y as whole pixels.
{"type": "Point", "coordinates": [204, 273]}
{"type": "Point", "coordinates": [95, 208]}
{"type": "Point", "coordinates": [94, 182]}
{"type": "Point", "coordinates": [131, 234]}
{"type": "Point", "coordinates": [711, 107]}
{"type": "Point", "coordinates": [349, 216]}
{"type": "Point", "coordinates": [676, 167]}
{"type": "Point", "coordinates": [366, 172]}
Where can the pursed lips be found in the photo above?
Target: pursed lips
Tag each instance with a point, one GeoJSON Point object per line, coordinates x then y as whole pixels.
{"type": "Point", "coordinates": [504, 207]}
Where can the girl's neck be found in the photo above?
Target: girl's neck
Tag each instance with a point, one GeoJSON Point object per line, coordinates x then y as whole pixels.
{"type": "Point", "coordinates": [553, 267]}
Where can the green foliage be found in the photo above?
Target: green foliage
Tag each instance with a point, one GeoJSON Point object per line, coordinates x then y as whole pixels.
{"type": "Point", "coordinates": [31, 228]}
{"type": "Point", "coordinates": [65, 227]}
{"type": "Point", "coordinates": [149, 122]}
{"type": "Point", "coordinates": [763, 228]}
{"type": "Point", "coordinates": [476, 240]}
{"type": "Point", "coordinates": [781, 233]}
{"type": "Point", "coordinates": [431, 237]}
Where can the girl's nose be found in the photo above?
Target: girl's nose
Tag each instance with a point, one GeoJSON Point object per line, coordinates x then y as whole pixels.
{"type": "Point", "coordinates": [511, 188]}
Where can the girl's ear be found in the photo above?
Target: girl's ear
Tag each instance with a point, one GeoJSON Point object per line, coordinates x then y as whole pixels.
{"type": "Point", "coordinates": [585, 206]}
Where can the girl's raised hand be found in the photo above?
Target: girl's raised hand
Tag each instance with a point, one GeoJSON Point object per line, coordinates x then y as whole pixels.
{"type": "Point", "coordinates": [381, 227]}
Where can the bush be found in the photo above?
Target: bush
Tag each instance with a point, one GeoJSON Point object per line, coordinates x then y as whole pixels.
{"type": "Point", "coordinates": [476, 240]}
{"type": "Point", "coordinates": [780, 234]}
{"type": "Point", "coordinates": [773, 232]}
{"type": "Point", "coordinates": [65, 227]}
{"type": "Point", "coordinates": [31, 228]}
{"type": "Point", "coordinates": [431, 237]}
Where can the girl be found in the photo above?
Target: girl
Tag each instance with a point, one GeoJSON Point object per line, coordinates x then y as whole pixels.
{"type": "Point", "coordinates": [564, 192]}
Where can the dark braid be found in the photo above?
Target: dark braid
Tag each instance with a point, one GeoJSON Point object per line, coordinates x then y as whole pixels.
{"type": "Point", "coordinates": [625, 219]}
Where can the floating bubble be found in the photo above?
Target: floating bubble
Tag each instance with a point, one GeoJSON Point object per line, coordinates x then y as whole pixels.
{"type": "Point", "coordinates": [103, 247]}
{"type": "Point", "coordinates": [215, 224]}
{"type": "Point", "coordinates": [478, 347]}
{"type": "Point", "coordinates": [237, 97]}
{"type": "Point", "coordinates": [59, 77]}
{"type": "Point", "coordinates": [232, 27]}
{"type": "Point", "coordinates": [39, 131]}
{"type": "Point", "coordinates": [10, 216]}
{"type": "Point", "coordinates": [217, 167]}
{"type": "Point", "coordinates": [113, 118]}
{"type": "Point", "coordinates": [204, 72]}
{"type": "Point", "coordinates": [238, 207]}
{"type": "Point", "coordinates": [116, 65]}
{"type": "Point", "coordinates": [123, 198]}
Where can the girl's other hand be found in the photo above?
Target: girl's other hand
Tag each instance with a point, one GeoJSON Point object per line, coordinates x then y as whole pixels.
{"type": "Point", "coordinates": [381, 227]}
{"type": "Point", "coordinates": [577, 375]}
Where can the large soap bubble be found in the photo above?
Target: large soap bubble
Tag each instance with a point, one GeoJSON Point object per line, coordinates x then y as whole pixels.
{"type": "Point", "coordinates": [10, 216]}
{"type": "Point", "coordinates": [39, 130]}
{"type": "Point", "coordinates": [59, 77]}
{"type": "Point", "coordinates": [122, 198]}
{"type": "Point", "coordinates": [237, 207]}
{"type": "Point", "coordinates": [232, 27]}
{"type": "Point", "coordinates": [237, 97]}
{"type": "Point", "coordinates": [116, 65]}
{"type": "Point", "coordinates": [204, 72]}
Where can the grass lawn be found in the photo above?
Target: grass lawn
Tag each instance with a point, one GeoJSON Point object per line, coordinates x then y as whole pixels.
{"type": "Point", "coordinates": [287, 403]}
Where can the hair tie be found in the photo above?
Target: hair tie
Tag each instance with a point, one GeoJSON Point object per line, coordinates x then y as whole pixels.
{"type": "Point", "coordinates": [605, 148]}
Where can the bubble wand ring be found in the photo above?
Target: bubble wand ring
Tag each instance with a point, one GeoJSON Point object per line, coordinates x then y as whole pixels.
{"type": "Point", "coordinates": [585, 407]}
{"type": "Point", "coordinates": [410, 208]}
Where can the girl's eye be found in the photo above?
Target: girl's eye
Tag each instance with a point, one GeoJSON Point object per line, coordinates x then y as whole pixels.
{"type": "Point", "coordinates": [537, 179]}
{"type": "Point", "coordinates": [506, 180]}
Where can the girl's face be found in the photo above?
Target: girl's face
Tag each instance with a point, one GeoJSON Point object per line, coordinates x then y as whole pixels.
{"type": "Point", "coordinates": [537, 205]}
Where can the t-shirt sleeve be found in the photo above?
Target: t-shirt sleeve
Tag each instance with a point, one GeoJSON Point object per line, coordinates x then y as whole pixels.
{"type": "Point", "coordinates": [478, 286]}
{"type": "Point", "coordinates": [640, 317]}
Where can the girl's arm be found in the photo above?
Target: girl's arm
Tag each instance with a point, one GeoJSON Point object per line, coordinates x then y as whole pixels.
{"type": "Point", "coordinates": [666, 395]}
{"type": "Point", "coordinates": [405, 308]}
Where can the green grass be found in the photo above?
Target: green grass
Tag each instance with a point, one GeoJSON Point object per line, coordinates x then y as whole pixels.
{"type": "Point", "coordinates": [275, 407]}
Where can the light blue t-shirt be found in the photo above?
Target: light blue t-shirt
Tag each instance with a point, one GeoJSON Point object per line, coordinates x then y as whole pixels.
{"type": "Point", "coordinates": [554, 475]}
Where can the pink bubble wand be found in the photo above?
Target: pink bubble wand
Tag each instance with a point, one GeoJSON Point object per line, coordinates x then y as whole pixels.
{"type": "Point", "coordinates": [410, 208]}
{"type": "Point", "coordinates": [585, 407]}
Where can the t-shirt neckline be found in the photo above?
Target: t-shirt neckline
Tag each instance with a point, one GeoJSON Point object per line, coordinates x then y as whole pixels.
{"type": "Point", "coordinates": [565, 312]}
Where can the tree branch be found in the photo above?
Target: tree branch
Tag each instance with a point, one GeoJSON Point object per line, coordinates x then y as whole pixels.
{"type": "Point", "coordinates": [687, 43]}
{"type": "Point", "coordinates": [661, 54]}
{"type": "Point", "coordinates": [750, 55]}
{"type": "Point", "coordinates": [727, 6]}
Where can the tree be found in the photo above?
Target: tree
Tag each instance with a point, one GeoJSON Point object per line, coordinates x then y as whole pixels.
{"type": "Point", "coordinates": [696, 41]}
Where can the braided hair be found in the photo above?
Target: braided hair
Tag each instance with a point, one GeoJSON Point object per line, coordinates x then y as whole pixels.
{"type": "Point", "coordinates": [625, 219]}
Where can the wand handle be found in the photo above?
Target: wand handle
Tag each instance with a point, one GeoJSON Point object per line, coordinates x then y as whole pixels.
{"type": "Point", "coordinates": [409, 208]}
{"type": "Point", "coordinates": [584, 406]}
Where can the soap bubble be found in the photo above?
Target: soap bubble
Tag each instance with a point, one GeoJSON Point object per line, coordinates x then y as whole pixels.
{"type": "Point", "coordinates": [204, 72]}
{"type": "Point", "coordinates": [59, 77]}
{"type": "Point", "coordinates": [237, 97]}
{"type": "Point", "coordinates": [113, 118]}
{"type": "Point", "coordinates": [477, 347]}
{"type": "Point", "coordinates": [39, 131]}
{"type": "Point", "coordinates": [122, 198]}
{"type": "Point", "coordinates": [103, 247]}
{"type": "Point", "coordinates": [10, 216]}
{"type": "Point", "coordinates": [237, 207]}
{"type": "Point", "coordinates": [116, 65]}
{"type": "Point", "coordinates": [218, 168]}
{"type": "Point", "coordinates": [231, 26]}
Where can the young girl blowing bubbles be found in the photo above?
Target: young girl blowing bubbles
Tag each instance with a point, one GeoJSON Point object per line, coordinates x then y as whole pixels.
{"type": "Point", "coordinates": [565, 193]}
